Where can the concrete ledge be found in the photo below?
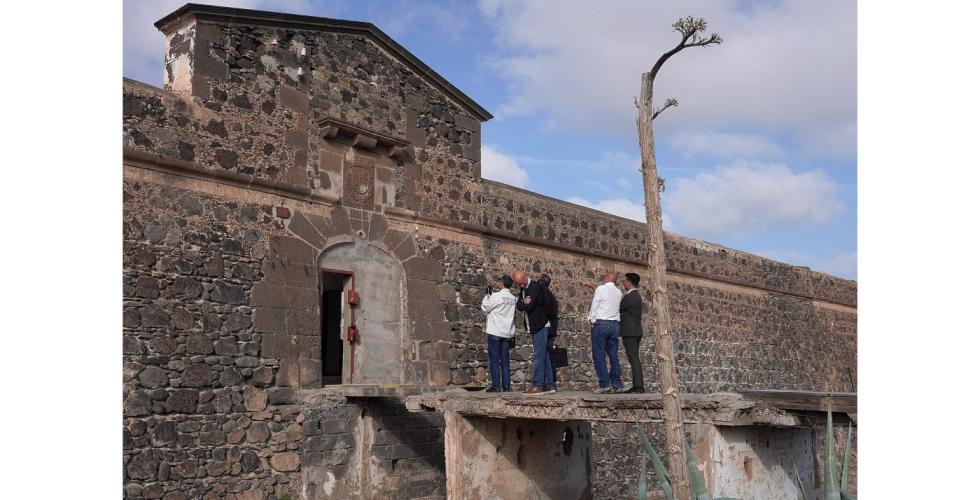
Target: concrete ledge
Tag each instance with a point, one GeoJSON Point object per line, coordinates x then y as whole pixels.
{"type": "Point", "coordinates": [390, 390]}
{"type": "Point", "coordinates": [726, 409]}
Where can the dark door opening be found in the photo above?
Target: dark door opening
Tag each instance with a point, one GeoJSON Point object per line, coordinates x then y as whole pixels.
{"type": "Point", "coordinates": [332, 326]}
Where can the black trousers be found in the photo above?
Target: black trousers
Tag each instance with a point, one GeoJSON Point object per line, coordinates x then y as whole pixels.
{"type": "Point", "coordinates": [632, 347]}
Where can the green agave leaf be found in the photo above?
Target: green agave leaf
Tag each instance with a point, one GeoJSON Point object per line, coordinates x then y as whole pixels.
{"type": "Point", "coordinates": [658, 464]}
{"type": "Point", "coordinates": [641, 490]}
{"type": "Point", "coordinates": [848, 496]}
{"type": "Point", "coordinates": [537, 490]}
{"type": "Point", "coordinates": [831, 487]}
{"type": "Point", "coordinates": [845, 469]}
{"type": "Point", "coordinates": [699, 490]}
{"type": "Point", "coordinates": [800, 491]}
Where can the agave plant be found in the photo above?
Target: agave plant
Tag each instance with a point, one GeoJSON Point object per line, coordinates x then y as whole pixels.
{"type": "Point", "coordinates": [699, 489]}
{"type": "Point", "coordinates": [835, 487]}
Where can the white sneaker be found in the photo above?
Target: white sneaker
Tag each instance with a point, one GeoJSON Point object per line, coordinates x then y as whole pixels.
{"type": "Point", "coordinates": [602, 390]}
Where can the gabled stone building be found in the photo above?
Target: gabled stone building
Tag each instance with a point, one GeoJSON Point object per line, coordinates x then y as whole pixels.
{"type": "Point", "coordinates": [304, 211]}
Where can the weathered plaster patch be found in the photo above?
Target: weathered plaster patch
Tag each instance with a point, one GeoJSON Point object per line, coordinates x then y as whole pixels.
{"type": "Point", "coordinates": [328, 483]}
{"type": "Point", "coordinates": [179, 65]}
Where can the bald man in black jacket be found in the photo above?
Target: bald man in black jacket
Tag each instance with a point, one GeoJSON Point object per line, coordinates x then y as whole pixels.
{"type": "Point", "coordinates": [533, 302]}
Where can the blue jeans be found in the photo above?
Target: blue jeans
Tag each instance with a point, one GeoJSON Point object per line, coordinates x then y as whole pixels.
{"type": "Point", "coordinates": [544, 374]}
{"type": "Point", "coordinates": [498, 349]}
{"type": "Point", "coordinates": [605, 342]}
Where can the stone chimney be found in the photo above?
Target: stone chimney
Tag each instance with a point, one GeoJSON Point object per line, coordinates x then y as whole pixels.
{"type": "Point", "coordinates": [187, 63]}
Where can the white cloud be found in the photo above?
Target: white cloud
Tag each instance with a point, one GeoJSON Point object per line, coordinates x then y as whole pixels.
{"type": "Point", "coordinates": [725, 145]}
{"type": "Point", "coordinates": [624, 183]}
{"type": "Point", "coordinates": [837, 142]}
{"type": "Point", "coordinates": [607, 161]}
{"type": "Point", "coordinates": [785, 66]}
{"type": "Point", "coordinates": [616, 206]}
{"type": "Point", "coordinates": [398, 18]}
{"type": "Point", "coordinates": [501, 167]}
{"type": "Point", "coordinates": [844, 265]}
{"type": "Point", "coordinates": [747, 197]}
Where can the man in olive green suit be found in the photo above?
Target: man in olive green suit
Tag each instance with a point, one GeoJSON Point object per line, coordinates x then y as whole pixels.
{"type": "Point", "coordinates": [631, 328]}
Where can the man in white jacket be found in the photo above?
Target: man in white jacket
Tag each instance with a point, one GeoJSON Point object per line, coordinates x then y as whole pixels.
{"type": "Point", "coordinates": [499, 308]}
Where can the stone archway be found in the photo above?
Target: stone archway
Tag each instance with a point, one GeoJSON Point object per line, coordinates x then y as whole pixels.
{"type": "Point", "coordinates": [376, 358]}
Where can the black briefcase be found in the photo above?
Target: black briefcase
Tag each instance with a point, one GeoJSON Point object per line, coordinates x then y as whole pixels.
{"type": "Point", "coordinates": [559, 357]}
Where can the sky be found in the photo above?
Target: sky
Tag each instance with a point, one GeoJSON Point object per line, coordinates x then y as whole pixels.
{"type": "Point", "coordinates": [760, 155]}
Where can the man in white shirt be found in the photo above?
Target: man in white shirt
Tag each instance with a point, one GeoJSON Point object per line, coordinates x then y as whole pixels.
{"type": "Point", "coordinates": [499, 308]}
{"type": "Point", "coordinates": [604, 317]}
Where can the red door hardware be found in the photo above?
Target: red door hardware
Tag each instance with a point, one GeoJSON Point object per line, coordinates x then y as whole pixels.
{"type": "Point", "coordinates": [352, 333]}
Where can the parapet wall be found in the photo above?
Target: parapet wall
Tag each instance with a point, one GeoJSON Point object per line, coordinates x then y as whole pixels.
{"type": "Point", "coordinates": [542, 220]}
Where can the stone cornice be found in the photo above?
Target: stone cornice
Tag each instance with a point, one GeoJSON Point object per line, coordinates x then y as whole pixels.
{"type": "Point", "coordinates": [171, 165]}
{"type": "Point", "coordinates": [362, 137]}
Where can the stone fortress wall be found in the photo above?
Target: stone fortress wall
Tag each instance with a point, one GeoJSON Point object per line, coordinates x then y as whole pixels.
{"type": "Point", "coordinates": [278, 138]}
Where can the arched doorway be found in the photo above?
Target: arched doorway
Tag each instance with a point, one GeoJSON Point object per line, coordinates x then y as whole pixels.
{"type": "Point", "coordinates": [379, 281]}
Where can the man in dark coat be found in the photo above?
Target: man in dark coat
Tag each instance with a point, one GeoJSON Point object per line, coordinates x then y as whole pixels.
{"type": "Point", "coordinates": [631, 328]}
{"type": "Point", "coordinates": [533, 303]}
{"type": "Point", "coordinates": [551, 307]}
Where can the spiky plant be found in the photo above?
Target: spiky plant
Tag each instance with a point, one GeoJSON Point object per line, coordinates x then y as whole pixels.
{"type": "Point", "coordinates": [658, 465]}
{"type": "Point", "coordinates": [641, 490]}
{"type": "Point", "coordinates": [699, 489]}
{"type": "Point", "coordinates": [835, 486]}
{"type": "Point", "coordinates": [800, 492]}
{"type": "Point", "coordinates": [845, 470]}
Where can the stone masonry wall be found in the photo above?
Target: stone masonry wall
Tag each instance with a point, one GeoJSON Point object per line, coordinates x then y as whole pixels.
{"type": "Point", "coordinates": [727, 337]}
{"type": "Point", "coordinates": [618, 451]}
{"type": "Point", "coordinates": [258, 94]}
{"type": "Point", "coordinates": [221, 304]}
{"type": "Point", "coordinates": [220, 331]}
{"type": "Point", "coordinates": [729, 334]}
{"type": "Point", "coordinates": [373, 449]}
{"type": "Point", "coordinates": [204, 415]}
{"type": "Point", "coordinates": [181, 366]}
{"type": "Point", "coordinates": [406, 452]}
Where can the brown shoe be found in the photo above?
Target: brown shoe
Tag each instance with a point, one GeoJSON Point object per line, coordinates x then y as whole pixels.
{"type": "Point", "coordinates": [535, 390]}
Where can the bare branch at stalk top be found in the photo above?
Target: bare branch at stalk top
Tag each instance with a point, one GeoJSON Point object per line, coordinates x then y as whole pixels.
{"type": "Point", "coordinates": [691, 29]}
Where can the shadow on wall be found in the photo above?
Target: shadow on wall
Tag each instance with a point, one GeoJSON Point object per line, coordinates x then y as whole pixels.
{"type": "Point", "coordinates": [762, 462]}
{"type": "Point", "coordinates": [518, 458]}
